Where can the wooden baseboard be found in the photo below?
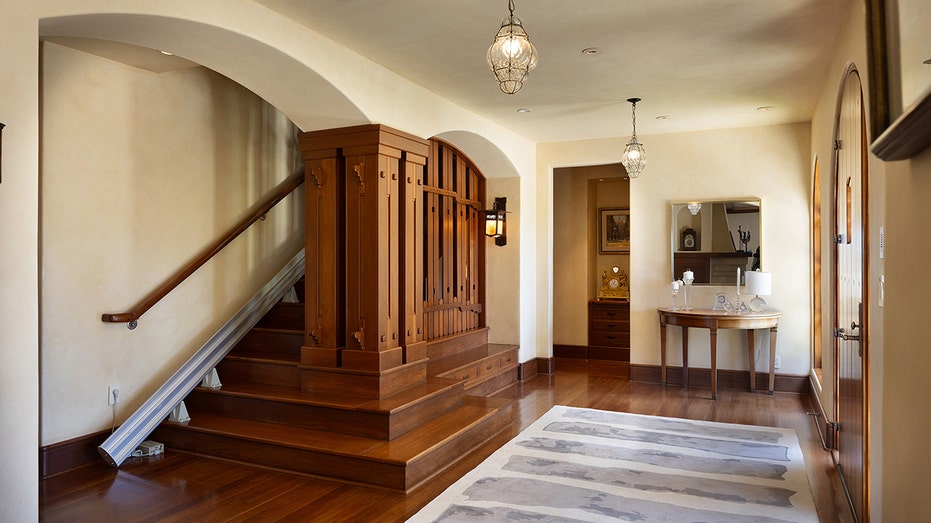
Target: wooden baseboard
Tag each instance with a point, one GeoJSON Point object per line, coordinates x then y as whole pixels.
{"type": "Point", "coordinates": [530, 368]}
{"type": "Point", "coordinates": [586, 352]}
{"type": "Point", "coordinates": [727, 379]}
{"type": "Point", "coordinates": [65, 456]}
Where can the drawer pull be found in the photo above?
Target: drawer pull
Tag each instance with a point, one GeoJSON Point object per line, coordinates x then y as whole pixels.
{"type": "Point", "coordinates": [611, 325]}
{"type": "Point", "coordinates": [610, 313]}
{"type": "Point", "coordinates": [488, 367]}
{"type": "Point", "coordinates": [610, 337]}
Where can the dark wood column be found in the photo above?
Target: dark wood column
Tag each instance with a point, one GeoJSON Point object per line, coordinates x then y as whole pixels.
{"type": "Point", "coordinates": [365, 331]}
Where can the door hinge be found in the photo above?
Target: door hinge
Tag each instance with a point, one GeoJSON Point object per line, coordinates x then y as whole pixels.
{"type": "Point", "coordinates": [835, 426]}
{"type": "Point", "coordinates": [839, 239]}
{"type": "Point", "coordinates": [837, 145]}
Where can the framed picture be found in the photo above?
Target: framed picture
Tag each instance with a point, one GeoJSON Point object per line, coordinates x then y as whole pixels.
{"type": "Point", "coordinates": [613, 230]}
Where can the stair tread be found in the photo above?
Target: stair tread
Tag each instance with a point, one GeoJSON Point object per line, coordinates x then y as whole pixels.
{"type": "Point", "coordinates": [400, 450]}
{"type": "Point", "coordinates": [413, 395]}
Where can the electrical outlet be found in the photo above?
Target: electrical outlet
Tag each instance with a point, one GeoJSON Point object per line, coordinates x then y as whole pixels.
{"type": "Point", "coordinates": [778, 362]}
{"type": "Point", "coordinates": [113, 394]}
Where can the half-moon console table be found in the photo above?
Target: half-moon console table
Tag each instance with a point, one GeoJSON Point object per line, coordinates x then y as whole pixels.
{"type": "Point", "coordinates": [714, 320]}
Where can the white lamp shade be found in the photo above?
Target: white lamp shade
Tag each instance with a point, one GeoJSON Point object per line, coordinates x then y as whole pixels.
{"type": "Point", "coordinates": [760, 283]}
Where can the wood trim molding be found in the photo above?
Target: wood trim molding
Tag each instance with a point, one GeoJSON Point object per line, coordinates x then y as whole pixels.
{"type": "Point", "coordinates": [824, 424]}
{"type": "Point", "coordinates": [531, 368]}
{"type": "Point", "coordinates": [71, 454]}
{"type": "Point", "coordinates": [909, 135]}
{"type": "Point", "coordinates": [727, 379]}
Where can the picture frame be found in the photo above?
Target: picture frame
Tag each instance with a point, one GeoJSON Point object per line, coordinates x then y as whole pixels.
{"type": "Point", "coordinates": [900, 128]}
{"type": "Point", "coordinates": [613, 230]}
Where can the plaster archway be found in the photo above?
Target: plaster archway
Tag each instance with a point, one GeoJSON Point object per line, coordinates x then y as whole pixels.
{"type": "Point", "coordinates": [307, 98]}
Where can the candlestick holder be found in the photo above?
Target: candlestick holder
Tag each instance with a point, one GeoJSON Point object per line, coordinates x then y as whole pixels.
{"type": "Point", "coordinates": [688, 284]}
{"type": "Point", "coordinates": [675, 295]}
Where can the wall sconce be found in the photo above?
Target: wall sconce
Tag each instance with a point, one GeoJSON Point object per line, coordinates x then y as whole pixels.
{"type": "Point", "coordinates": [495, 221]}
{"type": "Point", "coordinates": [694, 208]}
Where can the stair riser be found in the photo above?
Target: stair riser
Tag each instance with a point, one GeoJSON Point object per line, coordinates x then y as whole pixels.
{"type": "Point", "coordinates": [279, 342]}
{"type": "Point", "coordinates": [241, 371]}
{"type": "Point", "coordinates": [356, 469]}
{"type": "Point", "coordinates": [284, 316]}
{"type": "Point", "coordinates": [384, 425]}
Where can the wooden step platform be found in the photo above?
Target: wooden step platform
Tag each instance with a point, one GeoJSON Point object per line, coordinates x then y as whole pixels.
{"type": "Point", "coordinates": [400, 464]}
{"type": "Point", "coordinates": [385, 418]}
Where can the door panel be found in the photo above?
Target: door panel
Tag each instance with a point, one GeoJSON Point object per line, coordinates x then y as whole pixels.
{"type": "Point", "coordinates": [850, 294]}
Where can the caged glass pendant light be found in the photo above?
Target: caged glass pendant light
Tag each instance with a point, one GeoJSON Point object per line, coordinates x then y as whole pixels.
{"type": "Point", "coordinates": [511, 56]}
{"type": "Point", "coordinates": [634, 158]}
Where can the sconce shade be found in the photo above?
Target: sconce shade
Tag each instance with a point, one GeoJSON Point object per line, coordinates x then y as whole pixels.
{"type": "Point", "coordinates": [759, 283]}
{"type": "Point", "coordinates": [495, 221]}
{"type": "Point", "coordinates": [694, 208]}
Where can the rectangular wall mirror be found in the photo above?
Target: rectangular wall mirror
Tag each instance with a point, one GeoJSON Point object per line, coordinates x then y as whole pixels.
{"type": "Point", "coordinates": [714, 238]}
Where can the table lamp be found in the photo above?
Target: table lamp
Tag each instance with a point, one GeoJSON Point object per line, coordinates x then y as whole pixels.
{"type": "Point", "coordinates": [759, 284]}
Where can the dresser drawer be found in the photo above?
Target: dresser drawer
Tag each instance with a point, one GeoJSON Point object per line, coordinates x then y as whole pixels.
{"type": "Point", "coordinates": [487, 366]}
{"type": "Point", "coordinates": [608, 311]}
{"type": "Point", "coordinates": [609, 339]}
{"type": "Point", "coordinates": [614, 325]}
{"type": "Point", "coordinates": [507, 360]}
{"type": "Point", "coordinates": [463, 373]}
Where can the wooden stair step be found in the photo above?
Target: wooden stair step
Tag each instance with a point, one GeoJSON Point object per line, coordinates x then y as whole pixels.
{"type": "Point", "coordinates": [401, 464]}
{"type": "Point", "coordinates": [385, 418]}
{"type": "Point", "coordinates": [261, 368]}
{"type": "Point", "coordinates": [284, 316]}
{"type": "Point", "coordinates": [261, 339]}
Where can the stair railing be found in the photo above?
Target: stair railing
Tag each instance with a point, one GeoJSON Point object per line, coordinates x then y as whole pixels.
{"type": "Point", "coordinates": [131, 317]}
{"type": "Point", "coordinates": [124, 440]}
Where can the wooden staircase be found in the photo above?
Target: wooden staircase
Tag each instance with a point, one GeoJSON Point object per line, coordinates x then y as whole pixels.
{"type": "Point", "coordinates": [262, 416]}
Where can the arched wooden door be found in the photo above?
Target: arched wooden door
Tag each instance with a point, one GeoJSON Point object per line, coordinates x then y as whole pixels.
{"type": "Point", "coordinates": [851, 293]}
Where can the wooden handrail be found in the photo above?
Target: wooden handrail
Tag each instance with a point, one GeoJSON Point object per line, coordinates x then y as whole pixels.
{"type": "Point", "coordinates": [132, 316]}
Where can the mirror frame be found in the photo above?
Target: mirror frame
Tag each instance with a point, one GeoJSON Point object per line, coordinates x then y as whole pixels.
{"type": "Point", "coordinates": [675, 206]}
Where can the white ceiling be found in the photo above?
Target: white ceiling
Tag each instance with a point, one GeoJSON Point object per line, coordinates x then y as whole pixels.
{"type": "Point", "coordinates": [704, 64]}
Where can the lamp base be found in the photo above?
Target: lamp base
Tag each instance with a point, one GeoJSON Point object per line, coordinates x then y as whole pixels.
{"type": "Point", "coordinates": [757, 304]}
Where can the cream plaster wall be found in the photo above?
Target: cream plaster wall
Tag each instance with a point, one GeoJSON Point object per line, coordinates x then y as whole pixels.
{"type": "Point", "coordinates": [770, 163]}
{"type": "Point", "coordinates": [19, 296]}
{"type": "Point", "coordinates": [140, 171]}
{"type": "Point", "coordinates": [503, 269]}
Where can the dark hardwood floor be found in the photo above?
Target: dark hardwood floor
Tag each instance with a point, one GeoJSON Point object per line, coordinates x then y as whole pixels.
{"type": "Point", "coordinates": [183, 487]}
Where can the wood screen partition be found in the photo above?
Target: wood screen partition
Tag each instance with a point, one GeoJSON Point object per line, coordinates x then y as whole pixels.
{"type": "Point", "coordinates": [395, 256]}
{"type": "Point", "coordinates": [454, 257]}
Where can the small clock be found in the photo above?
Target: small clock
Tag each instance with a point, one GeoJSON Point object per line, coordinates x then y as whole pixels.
{"type": "Point", "coordinates": [614, 284]}
{"type": "Point", "coordinates": [689, 240]}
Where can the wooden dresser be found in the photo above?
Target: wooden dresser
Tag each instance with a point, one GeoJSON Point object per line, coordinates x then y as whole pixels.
{"type": "Point", "coordinates": [609, 330]}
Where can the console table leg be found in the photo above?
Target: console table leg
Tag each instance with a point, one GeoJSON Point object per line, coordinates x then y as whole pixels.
{"type": "Point", "coordinates": [750, 354]}
{"type": "Point", "coordinates": [685, 357]}
{"type": "Point", "coordinates": [772, 358]}
{"type": "Point", "coordinates": [714, 362]}
{"type": "Point", "coordinates": [662, 351]}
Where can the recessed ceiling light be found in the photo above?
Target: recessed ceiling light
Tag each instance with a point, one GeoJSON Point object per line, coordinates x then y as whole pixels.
{"type": "Point", "coordinates": [592, 50]}
{"type": "Point", "coordinates": [524, 110]}
{"type": "Point", "coordinates": [166, 53]}
{"type": "Point", "coordinates": [765, 108]}
{"type": "Point", "coordinates": [928, 61]}
{"type": "Point", "coordinates": [662, 117]}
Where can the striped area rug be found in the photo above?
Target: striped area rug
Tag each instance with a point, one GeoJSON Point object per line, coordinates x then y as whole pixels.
{"type": "Point", "coordinates": [590, 465]}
